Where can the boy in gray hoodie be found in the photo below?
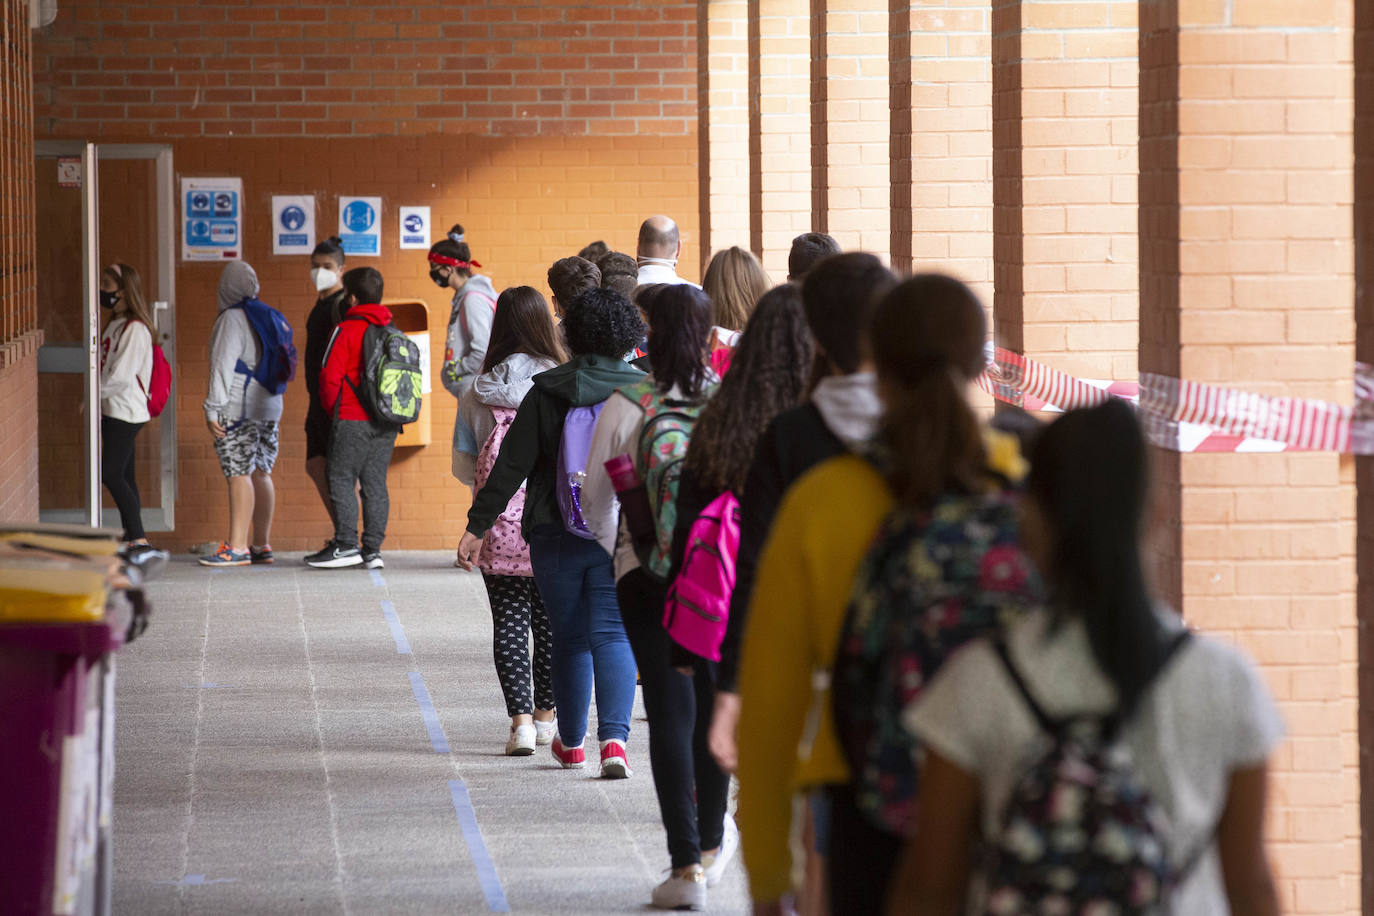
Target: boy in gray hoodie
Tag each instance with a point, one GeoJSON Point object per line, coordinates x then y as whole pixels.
{"type": "Point", "coordinates": [242, 416]}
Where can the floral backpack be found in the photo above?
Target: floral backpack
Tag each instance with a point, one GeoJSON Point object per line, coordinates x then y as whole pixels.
{"type": "Point", "coordinates": [1080, 832]}
{"type": "Point", "coordinates": [932, 581]}
{"type": "Point", "coordinates": [504, 551]}
{"type": "Point", "coordinates": [663, 441]}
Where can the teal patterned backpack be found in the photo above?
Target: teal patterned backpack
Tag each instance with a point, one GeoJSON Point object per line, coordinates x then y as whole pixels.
{"type": "Point", "coordinates": [663, 441]}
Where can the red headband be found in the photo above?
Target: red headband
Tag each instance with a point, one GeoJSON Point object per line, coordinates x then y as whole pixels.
{"type": "Point", "coordinates": [446, 261]}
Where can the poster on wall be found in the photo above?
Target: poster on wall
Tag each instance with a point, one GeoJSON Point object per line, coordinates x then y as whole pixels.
{"type": "Point", "coordinates": [415, 228]}
{"type": "Point", "coordinates": [293, 224]}
{"type": "Point", "coordinates": [360, 225]}
{"type": "Point", "coordinates": [212, 219]}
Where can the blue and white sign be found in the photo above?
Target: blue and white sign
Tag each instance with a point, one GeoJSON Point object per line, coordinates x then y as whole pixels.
{"type": "Point", "coordinates": [293, 224]}
{"type": "Point", "coordinates": [212, 219]}
{"type": "Point", "coordinates": [415, 228]}
{"type": "Point", "coordinates": [360, 225]}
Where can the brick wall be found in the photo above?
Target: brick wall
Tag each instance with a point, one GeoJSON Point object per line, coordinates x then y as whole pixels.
{"type": "Point", "coordinates": [219, 68]}
{"type": "Point", "coordinates": [1364, 467]}
{"type": "Point", "coordinates": [19, 336]}
{"type": "Point", "coordinates": [1246, 280]}
{"type": "Point", "coordinates": [525, 200]}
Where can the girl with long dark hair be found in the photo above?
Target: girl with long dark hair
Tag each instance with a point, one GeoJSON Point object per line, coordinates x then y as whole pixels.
{"type": "Point", "coordinates": [1201, 724]}
{"type": "Point", "coordinates": [926, 341]}
{"type": "Point", "coordinates": [523, 344]}
{"type": "Point", "coordinates": [126, 370]}
{"type": "Point", "coordinates": [691, 788]}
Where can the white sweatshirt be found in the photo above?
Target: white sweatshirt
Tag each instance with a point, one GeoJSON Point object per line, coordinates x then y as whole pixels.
{"type": "Point", "coordinates": [126, 370]}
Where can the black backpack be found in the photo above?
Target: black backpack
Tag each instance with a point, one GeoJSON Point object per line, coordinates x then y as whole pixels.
{"type": "Point", "coordinates": [390, 378]}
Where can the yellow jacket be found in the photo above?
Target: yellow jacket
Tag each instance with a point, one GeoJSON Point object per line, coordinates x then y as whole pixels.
{"type": "Point", "coordinates": [820, 535]}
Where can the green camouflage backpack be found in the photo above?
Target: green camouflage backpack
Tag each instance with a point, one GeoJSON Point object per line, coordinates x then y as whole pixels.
{"type": "Point", "coordinates": [391, 379]}
{"type": "Point", "coordinates": [663, 441]}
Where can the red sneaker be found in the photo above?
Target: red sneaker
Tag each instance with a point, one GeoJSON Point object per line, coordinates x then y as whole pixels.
{"type": "Point", "coordinates": [615, 764]}
{"type": "Point", "coordinates": [572, 758]}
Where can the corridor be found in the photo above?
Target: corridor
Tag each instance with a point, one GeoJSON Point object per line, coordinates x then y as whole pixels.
{"type": "Point", "coordinates": [292, 740]}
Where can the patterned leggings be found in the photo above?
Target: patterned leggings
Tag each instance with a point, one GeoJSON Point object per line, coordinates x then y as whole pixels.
{"type": "Point", "coordinates": [516, 610]}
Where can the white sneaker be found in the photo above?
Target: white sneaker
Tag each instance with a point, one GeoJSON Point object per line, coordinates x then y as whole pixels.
{"type": "Point", "coordinates": [521, 741]}
{"type": "Point", "coordinates": [544, 731]}
{"type": "Point", "coordinates": [715, 865]}
{"type": "Point", "coordinates": [685, 893]}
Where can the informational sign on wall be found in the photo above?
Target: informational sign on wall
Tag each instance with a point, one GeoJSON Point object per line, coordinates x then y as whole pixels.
{"type": "Point", "coordinates": [293, 224]}
{"type": "Point", "coordinates": [212, 219]}
{"type": "Point", "coordinates": [360, 225]}
{"type": "Point", "coordinates": [69, 171]}
{"type": "Point", "coordinates": [415, 227]}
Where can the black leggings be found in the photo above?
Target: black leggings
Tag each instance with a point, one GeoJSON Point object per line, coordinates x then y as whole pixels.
{"type": "Point", "coordinates": [516, 612]}
{"type": "Point", "coordinates": [117, 472]}
{"type": "Point", "coordinates": [692, 790]}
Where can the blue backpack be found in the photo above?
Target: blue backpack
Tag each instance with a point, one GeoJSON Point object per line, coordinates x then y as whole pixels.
{"type": "Point", "coordinates": [277, 366]}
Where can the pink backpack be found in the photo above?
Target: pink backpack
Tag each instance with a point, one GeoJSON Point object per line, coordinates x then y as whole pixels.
{"type": "Point", "coordinates": [504, 551]}
{"type": "Point", "coordinates": [698, 604]}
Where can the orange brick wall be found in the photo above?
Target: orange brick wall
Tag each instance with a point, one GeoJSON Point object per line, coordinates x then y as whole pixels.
{"type": "Point", "coordinates": [607, 138]}
{"type": "Point", "coordinates": [1364, 467]}
{"type": "Point", "coordinates": [1246, 280]}
{"type": "Point", "coordinates": [137, 68]}
{"type": "Point", "coordinates": [723, 140]}
{"type": "Point", "coordinates": [19, 334]}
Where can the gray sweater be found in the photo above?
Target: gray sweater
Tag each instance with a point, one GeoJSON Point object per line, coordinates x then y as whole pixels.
{"type": "Point", "coordinates": [504, 386]}
{"type": "Point", "coordinates": [235, 395]}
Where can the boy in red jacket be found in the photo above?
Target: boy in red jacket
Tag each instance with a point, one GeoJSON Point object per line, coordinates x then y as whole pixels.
{"type": "Point", "coordinates": [359, 446]}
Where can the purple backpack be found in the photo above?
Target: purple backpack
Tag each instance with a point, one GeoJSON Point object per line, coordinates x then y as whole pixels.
{"type": "Point", "coordinates": [573, 448]}
{"type": "Point", "coordinates": [504, 551]}
{"type": "Point", "coordinates": [698, 605]}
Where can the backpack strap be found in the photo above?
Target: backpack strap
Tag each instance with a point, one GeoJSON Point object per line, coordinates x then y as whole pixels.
{"type": "Point", "coordinates": [1048, 724]}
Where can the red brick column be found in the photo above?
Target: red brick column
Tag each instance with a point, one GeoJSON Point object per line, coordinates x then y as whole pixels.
{"type": "Point", "coordinates": [779, 128]}
{"type": "Point", "coordinates": [941, 139]}
{"type": "Point", "coordinates": [723, 124]}
{"type": "Point", "coordinates": [1064, 166]}
{"type": "Point", "coordinates": [1245, 277]}
{"type": "Point", "coordinates": [1364, 467]}
{"type": "Point", "coordinates": [850, 197]}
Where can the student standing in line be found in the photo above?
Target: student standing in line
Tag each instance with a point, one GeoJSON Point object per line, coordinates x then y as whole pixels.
{"type": "Point", "coordinates": [524, 343]}
{"type": "Point", "coordinates": [570, 278]}
{"type": "Point", "coordinates": [841, 415]}
{"type": "Point", "coordinates": [808, 250]}
{"type": "Point", "coordinates": [651, 421]}
{"type": "Point", "coordinates": [926, 338]}
{"type": "Point", "coordinates": [326, 276]}
{"type": "Point", "coordinates": [620, 272]}
{"type": "Point", "coordinates": [734, 280]}
{"type": "Point", "coordinates": [1196, 717]}
{"type": "Point", "coordinates": [769, 375]}
{"type": "Point", "coordinates": [242, 416]}
{"type": "Point", "coordinates": [126, 370]}
{"type": "Point", "coordinates": [360, 445]}
{"type": "Point", "coordinates": [469, 320]}
{"type": "Point", "coordinates": [575, 576]}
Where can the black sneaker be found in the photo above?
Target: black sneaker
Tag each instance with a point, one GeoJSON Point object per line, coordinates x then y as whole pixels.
{"type": "Point", "coordinates": [372, 559]}
{"type": "Point", "coordinates": [335, 556]}
{"type": "Point", "coordinates": [261, 555]}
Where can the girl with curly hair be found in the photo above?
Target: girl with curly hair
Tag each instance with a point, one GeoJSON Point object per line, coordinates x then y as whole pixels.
{"type": "Point", "coordinates": [574, 575]}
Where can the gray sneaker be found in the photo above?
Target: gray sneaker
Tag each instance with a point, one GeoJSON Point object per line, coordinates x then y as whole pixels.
{"type": "Point", "coordinates": [372, 559]}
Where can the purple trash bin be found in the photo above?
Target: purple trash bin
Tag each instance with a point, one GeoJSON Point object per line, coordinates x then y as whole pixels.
{"type": "Point", "coordinates": [45, 673]}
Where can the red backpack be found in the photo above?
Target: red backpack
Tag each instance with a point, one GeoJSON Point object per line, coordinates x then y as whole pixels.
{"type": "Point", "coordinates": [159, 388]}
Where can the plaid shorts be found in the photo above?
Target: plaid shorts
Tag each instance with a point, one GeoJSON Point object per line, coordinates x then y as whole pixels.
{"type": "Point", "coordinates": [250, 445]}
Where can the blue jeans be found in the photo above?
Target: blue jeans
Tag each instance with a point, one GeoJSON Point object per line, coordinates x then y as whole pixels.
{"type": "Point", "coordinates": [577, 582]}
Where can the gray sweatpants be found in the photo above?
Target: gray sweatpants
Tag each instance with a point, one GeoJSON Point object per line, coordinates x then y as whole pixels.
{"type": "Point", "coordinates": [359, 455]}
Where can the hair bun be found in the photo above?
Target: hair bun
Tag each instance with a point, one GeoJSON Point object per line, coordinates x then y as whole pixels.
{"type": "Point", "coordinates": [457, 232]}
{"type": "Point", "coordinates": [335, 240]}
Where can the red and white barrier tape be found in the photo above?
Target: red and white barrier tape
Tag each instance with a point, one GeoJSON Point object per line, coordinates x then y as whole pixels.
{"type": "Point", "coordinates": [1192, 416]}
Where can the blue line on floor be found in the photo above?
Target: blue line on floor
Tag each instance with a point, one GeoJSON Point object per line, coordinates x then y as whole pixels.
{"type": "Point", "coordinates": [377, 579]}
{"type": "Point", "coordinates": [431, 717]}
{"type": "Point", "coordinates": [477, 848]}
{"type": "Point", "coordinates": [398, 633]}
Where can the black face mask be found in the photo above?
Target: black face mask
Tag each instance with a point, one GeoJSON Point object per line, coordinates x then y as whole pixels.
{"type": "Point", "coordinates": [439, 279]}
{"type": "Point", "coordinates": [108, 300]}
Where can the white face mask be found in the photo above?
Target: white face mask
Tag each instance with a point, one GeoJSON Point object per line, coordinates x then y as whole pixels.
{"type": "Point", "coordinates": [324, 278]}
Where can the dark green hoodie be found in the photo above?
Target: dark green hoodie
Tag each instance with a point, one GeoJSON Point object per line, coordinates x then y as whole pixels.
{"type": "Point", "coordinates": [530, 449]}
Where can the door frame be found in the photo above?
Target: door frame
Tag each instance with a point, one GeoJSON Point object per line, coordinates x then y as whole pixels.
{"type": "Point", "coordinates": [71, 359]}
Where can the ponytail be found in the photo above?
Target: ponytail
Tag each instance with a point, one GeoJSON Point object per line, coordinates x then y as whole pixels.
{"type": "Point", "coordinates": [933, 440]}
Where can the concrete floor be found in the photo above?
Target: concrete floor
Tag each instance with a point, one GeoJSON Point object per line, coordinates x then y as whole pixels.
{"type": "Point", "coordinates": [292, 740]}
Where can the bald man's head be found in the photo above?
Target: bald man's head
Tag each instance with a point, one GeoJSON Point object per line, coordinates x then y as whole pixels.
{"type": "Point", "coordinates": [658, 238]}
